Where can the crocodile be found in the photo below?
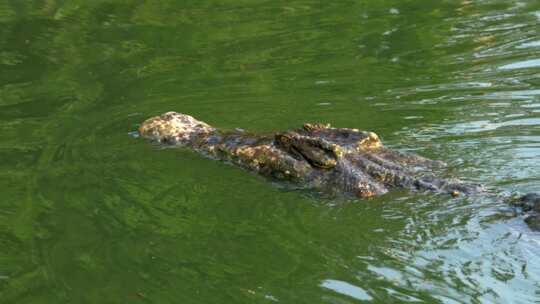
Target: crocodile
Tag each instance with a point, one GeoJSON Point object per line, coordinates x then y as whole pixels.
{"type": "Point", "coordinates": [320, 157]}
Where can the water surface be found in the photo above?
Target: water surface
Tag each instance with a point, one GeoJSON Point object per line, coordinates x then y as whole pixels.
{"type": "Point", "coordinates": [90, 214]}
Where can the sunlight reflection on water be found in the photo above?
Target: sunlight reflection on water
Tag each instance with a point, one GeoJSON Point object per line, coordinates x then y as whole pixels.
{"type": "Point", "coordinates": [533, 63]}
{"type": "Point", "coordinates": [347, 289]}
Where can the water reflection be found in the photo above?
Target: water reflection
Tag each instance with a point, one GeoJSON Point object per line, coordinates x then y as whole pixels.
{"type": "Point", "coordinates": [347, 289]}
{"type": "Point", "coordinates": [533, 63]}
{"type": "Point", "coordinates": [529, 44]}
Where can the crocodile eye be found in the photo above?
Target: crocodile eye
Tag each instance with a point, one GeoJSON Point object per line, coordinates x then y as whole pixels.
{"type": "Point", "coordinates": [282, 138]}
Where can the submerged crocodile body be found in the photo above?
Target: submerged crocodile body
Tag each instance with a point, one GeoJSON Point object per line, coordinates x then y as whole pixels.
{"type": "Point", "coordinates": [316, 156]}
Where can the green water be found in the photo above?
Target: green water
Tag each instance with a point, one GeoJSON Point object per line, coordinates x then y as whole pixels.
{"type": "Point", "coordinates": [90, 214]}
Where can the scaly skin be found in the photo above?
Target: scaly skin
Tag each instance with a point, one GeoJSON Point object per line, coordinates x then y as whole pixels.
{"type": "Point", "coordinates": [319, 157]}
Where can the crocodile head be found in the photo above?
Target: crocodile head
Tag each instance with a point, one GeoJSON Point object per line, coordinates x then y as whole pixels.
{"type": "Point", "coordinates": [316, 155]}
{"type": "Point", "coordinates": [173, 128]}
